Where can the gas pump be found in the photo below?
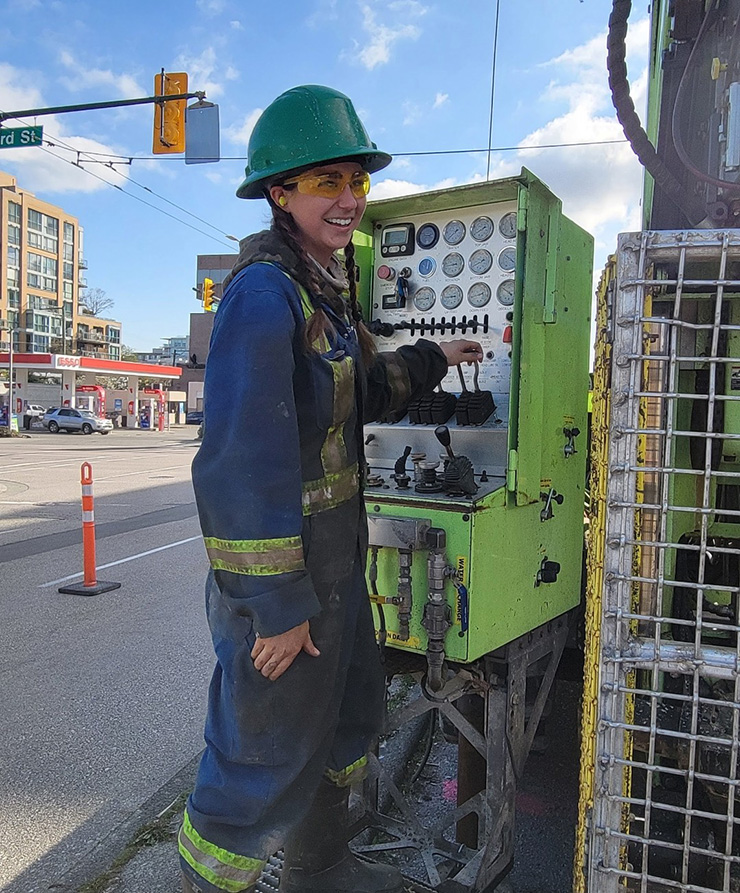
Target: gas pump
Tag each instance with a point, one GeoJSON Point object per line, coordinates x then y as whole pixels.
{"type": "Point", "coordinates": [91, 397]}
{"type": "Point", "coordinates": [475, 498]}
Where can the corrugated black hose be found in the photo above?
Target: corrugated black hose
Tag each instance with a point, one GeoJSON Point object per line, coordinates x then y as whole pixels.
{"type": "Point", "coordinates": [642, 147]}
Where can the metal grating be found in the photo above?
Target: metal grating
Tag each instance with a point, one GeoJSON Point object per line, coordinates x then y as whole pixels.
{"type": "Point", "coordinates": [668, 712]}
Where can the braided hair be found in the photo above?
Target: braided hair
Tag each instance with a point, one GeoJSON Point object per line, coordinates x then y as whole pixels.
{"type": "Point", "coordinates": [318, 323]}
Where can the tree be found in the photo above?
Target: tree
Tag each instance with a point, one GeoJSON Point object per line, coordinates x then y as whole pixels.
{"type": "Point", "coordinates": [95, 301]}
{"type": "Point", "coordinates": [128, 353]}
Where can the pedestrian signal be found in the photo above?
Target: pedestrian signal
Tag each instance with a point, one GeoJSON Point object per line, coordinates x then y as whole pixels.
{"type": "Point", "coordinates": [169, 117]}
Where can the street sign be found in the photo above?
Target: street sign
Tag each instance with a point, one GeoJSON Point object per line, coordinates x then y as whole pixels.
{"type": "Point", "coordinates": [15, 137]}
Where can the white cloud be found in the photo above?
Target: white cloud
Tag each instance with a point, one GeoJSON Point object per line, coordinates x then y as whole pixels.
{"type": "Point", "coordinates": [236, 25]}
{"type": "Point", "coordinates": [211, 7]}
{"type": "Point", "coordinates": [440, 99]}
{"type": "Point", "coordinates": [240, 133]}
{"type": "Point", "coordinates": [39, 169]}
{"type": "Point", "coordinates": [200, 70]}
{"type": "Point", "coordinates": [83, 77]}
{"type": "Point", "coordinates": [411, 113]}
{"type": "Point", "coordinates": [382, 38]}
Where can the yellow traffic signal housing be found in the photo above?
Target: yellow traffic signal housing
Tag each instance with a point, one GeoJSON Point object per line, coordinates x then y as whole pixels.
{"type": "Point", "coordinates": [169, 117]}
{"type": "Point", "coordinates": [208, 294]}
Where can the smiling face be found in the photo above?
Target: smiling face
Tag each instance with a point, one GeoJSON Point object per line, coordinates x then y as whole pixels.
{"type": "Point", "coordinates": [324, 224]}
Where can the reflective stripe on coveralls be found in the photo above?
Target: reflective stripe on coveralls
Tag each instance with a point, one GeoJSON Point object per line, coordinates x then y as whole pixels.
{"type": "Point", "coordinates": [330, 491]}
{"type": "Point", "coordinates": [257, 557]}
{"type": "Point", "coordinates": [219, 867]}
{"type": "Point", "coordinates": [350, 775]}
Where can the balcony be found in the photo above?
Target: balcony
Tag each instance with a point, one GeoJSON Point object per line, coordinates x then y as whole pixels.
{"type": "Point", "coordinates": [82, 264]}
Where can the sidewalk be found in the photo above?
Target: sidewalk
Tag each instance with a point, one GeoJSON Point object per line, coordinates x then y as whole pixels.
{"type": "Point", "coordinates": [140, 856]}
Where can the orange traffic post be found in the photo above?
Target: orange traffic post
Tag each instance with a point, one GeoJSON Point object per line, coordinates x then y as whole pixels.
{"type": "Point", "coordinates": [90, 584]}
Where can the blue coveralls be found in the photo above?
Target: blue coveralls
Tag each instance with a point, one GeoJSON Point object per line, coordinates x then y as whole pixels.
{"type": "Point", "coordinates": [277, 484]}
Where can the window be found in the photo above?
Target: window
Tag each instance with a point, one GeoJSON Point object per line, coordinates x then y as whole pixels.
{"type": "Point", "coordinates": [114, 335]}
{"type": "Point", "coordinates": [68, 253]}
{"type": "Point", "coordinates": [51, 226]}
{"type": "Point", "coordinates": [35, 219]}
{"type": "Point", "coordinates": [14, 234]}
{"type": "Point", "coordinates": [69, 233]}
{"type": "Point", "coordinates": [13, 317]}
{"type": "Point", "coordinates": [67, 270]}
{"type": "Point", "coordinates": [46, 267]}
{"type": "Point", "coordinates": [114, 353]}
{"type": "Point", "coordinates": [41, 343]}
{"type": "Point", "coordinates": [68, 291]}
{"type": "Point", "coordinates": [14, 277]}
{"type": "Point", "coordinates": [51, 244]}
{"type": "Point", "coordinates": [14, 257]}
{"type": "Point", "coordinates": [14, 297]}
{"type": "Point", "coordinates": [34, 239]}
{"type": "Point", "coordinates": [14, 212]}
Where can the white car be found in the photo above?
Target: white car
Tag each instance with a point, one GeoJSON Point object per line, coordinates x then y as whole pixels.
{"type": "Point", "coordinates": [67, 419]}
{"type": "Point", "coordinates": [34, 411]}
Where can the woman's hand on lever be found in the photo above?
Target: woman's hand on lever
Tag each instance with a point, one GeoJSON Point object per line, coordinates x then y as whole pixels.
{"type": "Point", "coordinates": [274, 654]}
{"type": "Point", "coordinates": [461, 351]}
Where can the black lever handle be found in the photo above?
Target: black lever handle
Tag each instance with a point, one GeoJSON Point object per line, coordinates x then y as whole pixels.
{"type": "Point", "coordinates": [400, 466]}
{"type": "Point", "coordinates": [442, 433]}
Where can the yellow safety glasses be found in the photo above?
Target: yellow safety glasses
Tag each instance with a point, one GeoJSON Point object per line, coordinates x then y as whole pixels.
{"type": "Point", "coordinates": [330, 184]}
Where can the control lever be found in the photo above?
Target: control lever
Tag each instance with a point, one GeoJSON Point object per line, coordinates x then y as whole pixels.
{"type": "Point", "coordinates": [459, 476]}
{"type": "Point", "coordinates": [548, 498]}
{"type": "Point", "coordinates": [399, 470]}
{"type": "Point", "coordinates": [570, 448]}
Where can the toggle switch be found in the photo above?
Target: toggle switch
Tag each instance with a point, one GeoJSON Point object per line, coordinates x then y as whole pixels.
{"type": "Point", "coordinates": [506, 337]}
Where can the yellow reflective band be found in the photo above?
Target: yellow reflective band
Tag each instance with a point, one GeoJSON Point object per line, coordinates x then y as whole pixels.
{"type": "Point", "coordinates": [330, 491]}
{"type": "Point", "coordinates": [225, 870]}
{"type": "Point", "coordinates": [334, 450]}
{"type": "Point", "coordinates": [349, 775]}
{"type": "Point", "coordinates": [256, 557]}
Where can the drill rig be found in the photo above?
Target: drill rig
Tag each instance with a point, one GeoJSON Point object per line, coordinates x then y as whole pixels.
{"type": "Point", "coordinates": [662, 691]}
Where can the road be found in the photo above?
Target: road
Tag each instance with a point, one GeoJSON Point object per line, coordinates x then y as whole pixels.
{"type": "Point", "coordinates": [103, 697]}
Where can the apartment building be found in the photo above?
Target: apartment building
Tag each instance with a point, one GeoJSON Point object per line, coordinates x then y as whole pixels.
{"type": "Point", "coordinates": [42, 270]}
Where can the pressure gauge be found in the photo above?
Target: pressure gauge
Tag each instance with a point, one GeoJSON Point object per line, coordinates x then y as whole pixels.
{"type": "Point", "coordinates": [427, 235]}
{"type": "Point", "coordinates": [507, 225]}
{"type": "Point", "coordinates": [505, 292]}
{"type": "Point", "coordinates": [479, 294]}
{"type": "Point", "coordinates": [507, 259]}
{"type": "Point", "coordinates": [481, 229]}
{"type": "Point", "coordinates": [454, 232]}
{"type": "Point", "coordinates": [453, 264]}
{"type": "Point", "coordinates": [452, 296]}
{"type": "Point", "coordinates": [427, 266]}
{"type": "Point", "coordinates": [480, 261]}
{"type": "Point", "coordinates": [424, 298]}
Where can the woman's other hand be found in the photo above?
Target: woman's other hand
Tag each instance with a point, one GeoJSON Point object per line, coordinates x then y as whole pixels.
{"type": "Point", "coordinates": [461, 351]}
{"type": "Point", "coordinates": [274, 654]}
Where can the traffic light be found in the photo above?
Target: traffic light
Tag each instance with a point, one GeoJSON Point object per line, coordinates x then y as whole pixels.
{"type": "Point", "coordinates": [208, 294]}
{"type": "Point", "coordinates": [169, 117]}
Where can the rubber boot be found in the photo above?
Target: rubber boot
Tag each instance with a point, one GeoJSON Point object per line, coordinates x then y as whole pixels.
{"type": "Point", "coordinates": [189, 885]}
{"type": "Point", "coordinates": [318, 858]}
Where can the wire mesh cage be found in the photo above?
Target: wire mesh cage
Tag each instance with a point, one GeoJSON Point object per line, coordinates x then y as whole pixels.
{"type": "Point", "coordinates": [661, 815]}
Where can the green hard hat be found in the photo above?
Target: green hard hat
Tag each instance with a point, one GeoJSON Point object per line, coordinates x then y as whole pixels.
{"type": "Point", "coordinates": [304, 127]}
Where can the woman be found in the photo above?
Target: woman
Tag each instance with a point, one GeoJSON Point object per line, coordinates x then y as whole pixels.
{"type": "Point", "coordinates": [297, 693]}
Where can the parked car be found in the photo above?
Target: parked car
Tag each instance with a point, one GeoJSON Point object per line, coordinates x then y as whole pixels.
{"type": "Point", "coordinates": [195, 417]}
{"type": "Point", "coordinates": [67, 419]}
{"type": "Point", "coordinates": [34, 411]}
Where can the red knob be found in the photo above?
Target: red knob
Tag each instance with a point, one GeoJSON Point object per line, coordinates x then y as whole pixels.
{"type": "Point", "coordinates": [507, 335]}
{"type": "Point", "coordinates": [386, 272]}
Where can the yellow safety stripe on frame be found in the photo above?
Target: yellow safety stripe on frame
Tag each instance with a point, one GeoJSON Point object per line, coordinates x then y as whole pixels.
{"type": "Point", "coordinates": [349, 775]}
{"type": "Point", "coordinates": [225, 870]}
{"type": "Point", "coordinates": [256, 557]}
{"type": "Point", "coordinates": [334, 450]}
{"type": "Point", "coordinates": [330, 491]}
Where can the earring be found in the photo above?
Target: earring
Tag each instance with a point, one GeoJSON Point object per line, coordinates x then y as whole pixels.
{"type": "Point", "coordinates": [282, 201]}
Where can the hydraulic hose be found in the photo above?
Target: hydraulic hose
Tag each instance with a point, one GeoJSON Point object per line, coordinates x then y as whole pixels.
{"type": "Point", "coordinates": [642, 147]}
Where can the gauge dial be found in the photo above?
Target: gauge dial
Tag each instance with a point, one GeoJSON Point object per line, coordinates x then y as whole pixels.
{"type": "Point", "coordinates": [479, 294]}
{"type": "Point", "coordinates": [452, 296]}
{"type": "Point", "coordinates": [505, 292]}
{"type": "Point", "coordinates": [427, 266]}
{"type": "Point", "coordinates": [453, 264]}
{"type": "Point", "coordinates": [480, 261]}
{"type": "Point", "coordinates": [427, 235]}
{"type": "Point", "coordinates": [424, 298]}
{"type": "Point", "coordinates": [507, 225]}
{"type": "Point", "coordinates": [481, 229]}
{"type": "Point", "coordinates": [507, 259]}
{"type": "Point", "coordinates": [454, 232]}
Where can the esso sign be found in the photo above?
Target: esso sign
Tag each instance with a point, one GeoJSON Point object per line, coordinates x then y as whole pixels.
{"type": "Point", "coordinates": [67, 362]}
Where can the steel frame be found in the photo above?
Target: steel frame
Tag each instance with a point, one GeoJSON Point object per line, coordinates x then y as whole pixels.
{"type": "Point", "coordinates": [500, 680]}
{"type": "Point", "coordinates": [668, 710]}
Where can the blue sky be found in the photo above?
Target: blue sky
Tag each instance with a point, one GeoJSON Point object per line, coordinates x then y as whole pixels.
{"type": "Point", "coordinates": [419, 72]}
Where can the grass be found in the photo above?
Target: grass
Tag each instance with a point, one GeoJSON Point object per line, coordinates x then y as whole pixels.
{"type": "Point", "coordinates": [157, 831]}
